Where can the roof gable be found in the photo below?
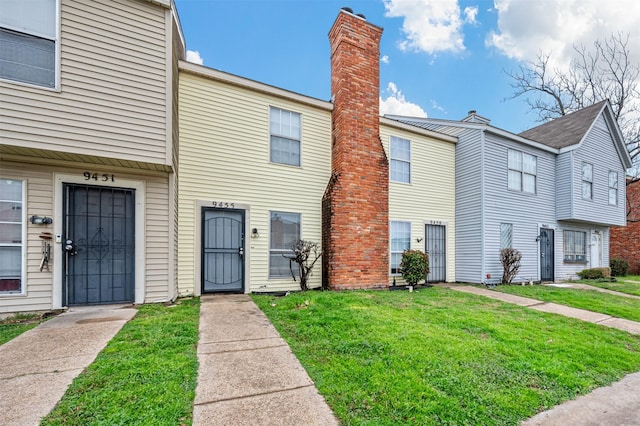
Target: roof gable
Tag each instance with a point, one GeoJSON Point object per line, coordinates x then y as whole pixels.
{"type": "Point", "coordinates": [567, 130]}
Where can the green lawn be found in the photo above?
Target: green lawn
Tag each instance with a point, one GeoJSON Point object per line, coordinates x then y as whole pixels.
{"type": "Point", "coordinates": [17, 324]}
{"type": "Point", "coordinates": [591, 300]}
{"type": "Point", "coordinates": [629, 284]}
{"type": "Point", "coordinates": [437, 356]}
{"type": "Point", "coordinates": [145, 376]}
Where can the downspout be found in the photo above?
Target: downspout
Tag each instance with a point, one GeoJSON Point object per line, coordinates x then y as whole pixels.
{"type": "Point", "coordinates": [482, 207]}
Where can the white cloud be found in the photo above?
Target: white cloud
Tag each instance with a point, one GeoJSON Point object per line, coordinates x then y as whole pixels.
{"type": "Point", "coordinates": [526, 28]}
{"type": "Point", "coordinates": [437, 107]}
{"type": "Point", "coordinates": [194, 56]}
{"type": "Point", "coordinates": [430, 25]}
{"type": "Point", "coordinates": [396, 104]}
{"type": "Point", "coordinates": [385, 59]}
{"type": "Point", "coordinates": [470, 14]}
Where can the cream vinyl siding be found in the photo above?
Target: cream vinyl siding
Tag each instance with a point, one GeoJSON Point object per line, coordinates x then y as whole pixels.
{"type": "Point", "coordinates": [112, 98]}
{"type": "Point", "coordinates": [40, 191]}
{"type": "Point", "coordinates": [224, 157]}
{"type": "Point", "coordinates": [431, 194]}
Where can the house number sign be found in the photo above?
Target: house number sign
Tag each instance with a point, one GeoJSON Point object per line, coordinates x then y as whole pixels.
{"type": "Point", "coordinates": [435, 222]}
{"type": "Point", "coordinates": [104, 177]}
{"type": "Point", "coordinates": [223, 205]}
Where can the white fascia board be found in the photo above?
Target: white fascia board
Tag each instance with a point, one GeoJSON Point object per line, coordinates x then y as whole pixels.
{"type": "Point", "coordinates": [385, 120]}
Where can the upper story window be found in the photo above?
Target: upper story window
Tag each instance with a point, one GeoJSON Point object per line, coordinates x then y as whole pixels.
{"type": "Point", "coordinates": [284, 128]}
{"type": "Point", "coordinates": [506, 235]}
{"type": "Point", "coordinates": [28, 41]}
{"type": "Point", "coordinates": [613, 188]}
{"type": "Point", "coordinates": [575, 246]}
{"type": "Point", "coordinates": [400, 233]}
{"type": "Point", "coordinates": [587, 181]}
{"type": "Point", "coordinates": [11, 233]}
{"type": "Point", "coordinates": [284, 232]}
{"type": "Point", "coordinates": [523, 169]}
{"type": "Point", "coordinates": [400, 167]}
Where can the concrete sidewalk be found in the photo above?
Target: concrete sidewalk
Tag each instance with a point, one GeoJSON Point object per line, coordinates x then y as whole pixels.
{"type": "Point", "coordinates": [37, 367]}
{"type": "Point", "coordinates": [248, 375]}
{"type": "Point", "coordinates": [632, 327]}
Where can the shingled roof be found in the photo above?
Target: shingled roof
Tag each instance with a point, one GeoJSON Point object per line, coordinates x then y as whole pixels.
{"type": "Point", "coordinates": [566, 130]}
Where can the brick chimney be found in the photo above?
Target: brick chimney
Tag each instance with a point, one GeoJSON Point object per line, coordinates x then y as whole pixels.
{"type": "Point", "coordinates": [355, 206]}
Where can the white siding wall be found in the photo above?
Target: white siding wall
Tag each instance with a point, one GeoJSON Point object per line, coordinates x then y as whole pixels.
{"type": "Point", "coordinates": [224, 156]}
{"type": "Point", "coordinates": [431, 194]}
{"type": "Point", "coordinates": [468, 193]}
{"type": "Point", "coordinates": [525, 211]}
{"type": "Point", "coordinates": [564, 185]}
{"type": "Point", "coordinates": [598, 149]}
{"type": "Point", "coordinates": [112, 98]}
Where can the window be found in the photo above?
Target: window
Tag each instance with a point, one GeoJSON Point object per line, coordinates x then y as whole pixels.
{"type": "Point", "coordinates": [575, 246]}
{"type": "Point", "coordinates": [400, 241]}
{"type": "Point", "coordinates": [587, 181]}
{"type": "Point", "coordinates": [11, 230]}
{"type": "Point", "coordinates": [613, 188]}
{"type": "Point", "coordinates": [28, 39]}
{"type": "Point", "coordinates": [522, 171]}
{"type": "Point", "coordinates": [506, 235]}
{"type": "Point", "coordinates": [285, 231]}
{"type": "Point", "coordinates": [400, 168]}
{"type": "Point", "coordinates": [285, 137]}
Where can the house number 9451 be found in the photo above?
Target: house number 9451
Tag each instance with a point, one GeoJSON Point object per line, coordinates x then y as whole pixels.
{"type": "Point", "coordinates": [104, 177]}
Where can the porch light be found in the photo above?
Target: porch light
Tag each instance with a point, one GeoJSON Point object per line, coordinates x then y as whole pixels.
{"type": "Point", "coordinates": [40, 220]}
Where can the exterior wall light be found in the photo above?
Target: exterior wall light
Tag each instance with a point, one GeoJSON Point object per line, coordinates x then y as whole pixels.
{"type": "Point", "coordinates": [254, 232]}
{"type": "Point", "coordinates": [40, 220]}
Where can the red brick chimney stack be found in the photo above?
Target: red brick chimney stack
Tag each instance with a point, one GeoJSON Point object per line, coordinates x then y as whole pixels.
{"type": "Point", "coordinates": [356, 202]}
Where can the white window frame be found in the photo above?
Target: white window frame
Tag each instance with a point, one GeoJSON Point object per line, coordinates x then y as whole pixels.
{"type": "Point", "coordinates": [572, 253]}
{"type": "Point", "coordinates": [587, 181]}
{"type": "Point", "coordinates": [23, 244]}
{"type": "Point", "coordinates": [518, 169]}
{"type": "Point", "coordinates": [395, 265]}
{"type": "Point", "coordinates": [396, 159]}
{"type": "Point", "coordinates": [506, 232]}
{"type": "Point", "coordinates": [285, 136]}
{"type": "Point", "coordinates": [56, 40]}
{"type": "Point", "coordinates": [280, 251]}
{"type": "Point", "coordinates": [613, 187]}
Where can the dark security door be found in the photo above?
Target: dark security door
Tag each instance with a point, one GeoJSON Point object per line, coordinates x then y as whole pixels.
{"type": "Point", "coordinates": [222, 250]}
{"type": "Point", "coordinates": [547, 272]}
{"type": "Point", "coordinates": [99, 245]}
{"type": "Point", "coordinates": [435, 239]}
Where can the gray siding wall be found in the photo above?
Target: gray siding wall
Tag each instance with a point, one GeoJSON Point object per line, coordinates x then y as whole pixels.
{"type": "Point", "coordinates": [598, 149]}
{"type": "Point", "coordinates": [469, 207]}
{"type": "Point", "coordinates": [564, 270]}
{"type": "Point", "coordinates": [564, 187]}
{"type": "Point", "coordinates": [525, 211]}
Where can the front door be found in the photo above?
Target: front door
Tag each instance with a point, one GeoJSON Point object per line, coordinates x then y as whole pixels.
{"type": "Point", "coordinates": [596, 251]}
{"type": "Point", "coordinates": [547, 272]}
{"type": "Point", "coordinates": [99, 245]}
{"type": "Point", "coordinates": [435, 239]}
{"type": "Point", "coordinates": [222, 250]}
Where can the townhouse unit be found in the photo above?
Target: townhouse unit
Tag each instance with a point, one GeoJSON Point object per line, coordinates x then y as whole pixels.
{"type": "Point", "coordinates": [552, 192]}
{"type": "Point", "coordinates": [88, 152]}
{"type": "Point", "coordinates": [261, 167]}
{"type": "Point", "coordinates": [625, 240]}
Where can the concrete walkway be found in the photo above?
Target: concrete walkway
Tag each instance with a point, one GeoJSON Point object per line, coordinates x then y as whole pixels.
{"type": "Point", "coordinates": [37, 367]}
{"type": "Point", "coordinates": [248, 375]}
{"type": "Point", "coordinates": [554, 308]}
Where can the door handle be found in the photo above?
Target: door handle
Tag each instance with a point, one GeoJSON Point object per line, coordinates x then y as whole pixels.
{"type": "Point", "coordinates": [241, 252]}
{"type": "Point", "coordinates": [70, 248]}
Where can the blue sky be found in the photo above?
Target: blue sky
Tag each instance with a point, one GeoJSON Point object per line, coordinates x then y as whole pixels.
{"type": "Point", "coordinates": [441, 58]}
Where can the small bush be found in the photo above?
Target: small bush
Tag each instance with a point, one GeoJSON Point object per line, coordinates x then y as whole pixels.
{"type": "Point", "coordinates": [619, 267]}
{"type": "Point", "coordinates": [594, 273]}
{"type": "Point", "coordinates": [414, 266]}
{"type": "Point", "coordinates": [510, 259]}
